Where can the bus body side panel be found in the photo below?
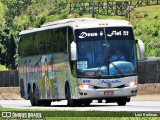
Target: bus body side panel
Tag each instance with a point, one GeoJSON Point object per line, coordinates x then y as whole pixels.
{"type": "Point", "coordinates": [47, 79]}
{"type": "Point", "coordinates": [22, 79]}
{"type": "Point", "coordinates": [47, 72]}
{"type": "Point", "coordinates": [73, 86]}
{"type": "Point", "coordinates": [62, 73]}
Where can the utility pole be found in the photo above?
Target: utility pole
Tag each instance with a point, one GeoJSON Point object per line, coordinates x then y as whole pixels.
{"type": "Point", "coordinates": [129, 11]}
{"type": "Point", "coordinates": [93, 9]}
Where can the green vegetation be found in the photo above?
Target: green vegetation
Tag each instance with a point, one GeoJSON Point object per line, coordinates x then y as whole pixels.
{"type": "Point", "coordinates": [2, 68]}
{"type": "Point", "coordinates": [146, 22]}
{"type": "Point", "coordinates": [17, 15]}
{"type": "Point", "coordinates": [85, 115]}
{"type": "Point", "coordinates": [71, 1]}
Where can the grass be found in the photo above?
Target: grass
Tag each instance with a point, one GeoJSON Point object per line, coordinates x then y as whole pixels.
{"type": "Point", "coordinates": [3, 68]}
{"type": "Point", "coordinates": [146, 22]}
{"type": "Point", "coordinates": [79, 115]}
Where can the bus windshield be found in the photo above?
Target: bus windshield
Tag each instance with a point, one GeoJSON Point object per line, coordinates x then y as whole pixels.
{"type": "Point", "coordinates": [106, 52]}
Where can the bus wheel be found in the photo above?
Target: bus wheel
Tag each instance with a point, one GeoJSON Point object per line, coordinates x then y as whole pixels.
{"type": "Point", "coordinates": [31, 97]}
{"type": "Point", "coordinates": [36, 98]}
{"type": "Point", "coordinates": [71, 102]}
{"type": "Point", "coordinates": [100, 101]}
{"type": "Point", "coordinates": [121, 103]}
{"type": "Point", "coordinates": [87, 103]}
{"type": "Point", "coordinates": [47, 102]}
{"type": "Point", "coordinates": [77, 103]}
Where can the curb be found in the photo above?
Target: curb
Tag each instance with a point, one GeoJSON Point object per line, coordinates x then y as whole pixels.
{"type": "Point", "coordinates": [146, 98]}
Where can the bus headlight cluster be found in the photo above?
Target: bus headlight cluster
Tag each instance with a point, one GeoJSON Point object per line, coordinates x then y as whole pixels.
{"type": "Point", "coordinates": [133, 83]}
{"type": "Point", "coordinates": [85, 86]}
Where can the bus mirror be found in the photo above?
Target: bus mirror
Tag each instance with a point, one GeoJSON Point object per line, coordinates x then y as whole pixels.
{"type": "Point", "coordinates": [73, 51]}
{"type": "Point", "coordinates": [136, 41]}
{"type": "Point", "coordinates": [141, 49]}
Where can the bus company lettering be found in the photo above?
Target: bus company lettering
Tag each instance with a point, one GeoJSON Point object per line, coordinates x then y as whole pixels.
{"type": "Point", "coordinates": [118, 33]}
{"type": "Point", "coordinates": [108, 81]}
{"type": "Point", "coordinates": [84, 35]}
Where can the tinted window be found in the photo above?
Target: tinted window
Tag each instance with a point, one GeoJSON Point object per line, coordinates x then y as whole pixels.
{"type": "Point", "coordinates": [44, 42]}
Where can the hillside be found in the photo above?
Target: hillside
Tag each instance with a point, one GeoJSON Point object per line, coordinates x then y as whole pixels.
{"type": "Point", "coordinates": [146, 22]}
{"type": "Point", "coordinates": [19, 15]}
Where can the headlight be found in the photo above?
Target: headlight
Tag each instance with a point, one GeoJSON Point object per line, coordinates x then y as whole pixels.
{"type": "Point", "coordinates": [131, 84]}
{"type": "Point", "coordinates": [85, 86]}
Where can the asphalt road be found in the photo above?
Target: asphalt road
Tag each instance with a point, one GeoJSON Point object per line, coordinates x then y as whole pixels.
{"type": "Point", "coordinates": [62, 105]}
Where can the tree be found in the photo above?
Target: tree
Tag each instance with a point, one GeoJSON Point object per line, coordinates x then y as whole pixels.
{"type": "Point", "coordinates": [10, 52]}
{"type": "Point", "coordinates": [7, 36]}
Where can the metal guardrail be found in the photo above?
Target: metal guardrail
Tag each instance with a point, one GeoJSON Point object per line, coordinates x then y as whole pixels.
{"type": "Point", "coordinates": [108, 7]}
{"type": "Point", "coordinates": [9, 78]}
{"type": "Point", "coordinates": [149, 71]}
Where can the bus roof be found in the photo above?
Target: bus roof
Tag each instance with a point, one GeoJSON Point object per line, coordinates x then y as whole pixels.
{"type": "Point", "coordinates": [78, 23]}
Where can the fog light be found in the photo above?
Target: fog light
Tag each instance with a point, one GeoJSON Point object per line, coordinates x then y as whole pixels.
{"type": "Point", "coordinates": [80, 93]}
{"type": "Point", "coordinates": [135, 91]}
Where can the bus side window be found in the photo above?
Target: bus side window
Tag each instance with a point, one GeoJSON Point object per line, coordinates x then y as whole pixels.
{"type": "Point", "coordinates": [48, 41]}
{"type": "Point", "coordinates": [60, 40]}
{"type": "Point", "coordinates": [52, 42]}
{"type": "Point", "coordinates": [21, 46]}
{"type": "Point", "coordinates": [62, 35]}
{"type": "Point", "coordinates": [42, 46]}
{"type": "Point", "coordinates": [36, 43]}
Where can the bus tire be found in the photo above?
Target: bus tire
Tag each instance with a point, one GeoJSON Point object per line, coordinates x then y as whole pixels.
{"type": "Point", "coordinates": [37, 102]}
{"type": "Point", "coordinates": [87, 103]}
{"type": "Point", "coordinates": [47, 102]}
{"type": "Point", "coordinates": [121, 103]}
{"type": "Point", "coordinates": [31, 98]}
{"type": "Point", "coordinates": [70, 101]}
{"type": "Point", "coordinates": [100, 101]}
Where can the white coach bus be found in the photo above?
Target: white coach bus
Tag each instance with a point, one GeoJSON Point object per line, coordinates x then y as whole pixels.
{"type": "Point", "coordinates": [79, 60]}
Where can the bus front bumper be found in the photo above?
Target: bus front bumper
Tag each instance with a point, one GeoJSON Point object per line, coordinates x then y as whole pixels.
{"type": "Point", "coordinates": [105, 93]}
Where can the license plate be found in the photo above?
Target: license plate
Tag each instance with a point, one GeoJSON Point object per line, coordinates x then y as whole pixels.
{"type": "Point", "coordinates": [109, 93]}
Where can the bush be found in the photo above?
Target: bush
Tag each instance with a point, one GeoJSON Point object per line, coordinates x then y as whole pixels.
{"type": "Point", "coordinates": [154, 32]}
{"type": "Point", "coordinates": [156, 17]}
{"type": "Point", "coordinates": [145, 15]}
